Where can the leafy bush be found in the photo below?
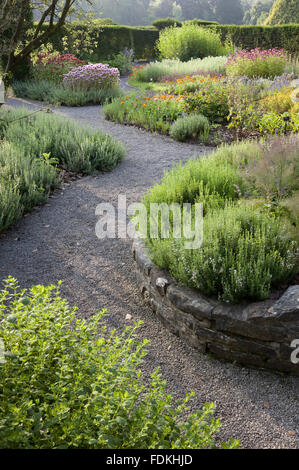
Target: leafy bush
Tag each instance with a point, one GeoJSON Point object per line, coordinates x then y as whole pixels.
{"type": "Point", "coordinates": [67, 383]}
{"type": "Point", "coordinates": [123, 61]}
{"type": "Point", "coordinates": [275, 176]}
{"type": "Point", "coordinates": [52, 66]}
{"type": "Point", "coordinates": [92, 77]}
{"type": "Point", "coordinates": [190, 84]}
{"type": "Point", "coordinates": [273, 123]}
{"type": "Point", "coordinates": [78, 148]}
{"type": "Point", "coordinates": [278, 102]}
{"type": "Point", "coordinates": [257, 63]}
{"type": "Point", "coordinates": [58, 94]}
{"type": "Point", "coordinates": [246, 249]}
{"type": "Point", "coordinates": [190, 41]}
{"type": "Point", "coordinates": [162, 23]}
{"type": "Point", "coordinates": [153, 113]}
{"type": "Point", "coordinates": [155, 71]}
{"type": "Point", "coordinates": [25, 181]}
{"type": "Point", "coordinates": [188, 127]}
{"type": "Point", "coordinates": [211, 100]}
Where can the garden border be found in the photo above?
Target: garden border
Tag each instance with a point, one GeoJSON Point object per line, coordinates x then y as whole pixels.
{"type": "Point", "coordinates": [255, 334]}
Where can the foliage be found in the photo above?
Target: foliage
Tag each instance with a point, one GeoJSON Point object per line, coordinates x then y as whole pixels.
{"type": "Point", "coordinates": [92, 77]}
{"type": "Point", "coordinates": [273, 123]}
{"type": "Point", "coordinates": [264, 37]}
{"type": "Point", "coordinates": [153, 113]}
{"type": "Point", "coordinates": [244, 97]}
{"type": "Point", "coordinates": [78, 148]}
{"type": "Point", "coordinates": [25, 181]}
{"type": "Point", "coordinates": [258, 12]}
{"type": "Point", "coordinates": [68, 383]}
{"type": "Point", "coordinates": [278, 102]}
{"type": "Point", "coordinates": [189, 41]}
{"type": "Point", "coordinates": [246, 249]}
{"type": "Point", "coordinates": [20, 46]}
{"type": "Point", "coordinates": [58, 94]}
{"type": "Point", "coordinates": [114, 38]}
{"type": "Point", "coordinates": [52, 66]}
{"type": "Point", "coordinates": [257, 63]}
{"type": "Point", "coordinates": [275, 176]}
{"type": "Point", "coordinates": [189, 127]}
{"type": "Point", "coordinates": [211, 100]}
{"type": "Point", "coordinates": [162, 23]}
{"type": "Point", "coordinates": [190, 84]}
{"type": "Point", "coordinates": [156, 71]}
{"type": "Point", "coordinates": [283, 11]}
{"type": "Point", "coordinates": [123, 61]}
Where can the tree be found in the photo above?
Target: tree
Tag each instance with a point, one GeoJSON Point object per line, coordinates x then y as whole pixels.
{"type": "Point", "coordinates": [13, 17]}
{"type": "Point", "coordinates": [228, 12]}
{"type": "Point", "coordinates": [258, 12]}
{"type": "Point", "coordinates": [283, 12]}
{"type": "Point", "coordinates": [196, 9]}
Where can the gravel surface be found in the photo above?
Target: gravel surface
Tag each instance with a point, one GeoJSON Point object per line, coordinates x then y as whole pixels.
{"type": "Point", "coordinates": [58, 241]}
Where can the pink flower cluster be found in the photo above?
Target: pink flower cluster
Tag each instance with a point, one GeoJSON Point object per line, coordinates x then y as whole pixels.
{"type": "Point", "coordinates": [255, 54]}
{"type": "Point", "coordinates": [92, 76]}
{"type": "Point", "coordinates": [58, 60]}
{"type": "Point", "coordinates": [52, 66]}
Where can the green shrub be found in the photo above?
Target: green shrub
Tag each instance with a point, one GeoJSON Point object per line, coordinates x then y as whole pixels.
{"type": "Point", "coordinates": [265, 37]}
{"type": "Point", "coordinates": [275, 176]}
{"type": "Point", "coordinates": [162, 23]}
{"type": "Point", "coordinates": [273, 123]}
{"type": "Point", "coordinates": [77, 147]}
{"type": "Point", "coordinates": [244, 252]}
{"type": "Point", "coordinates": [156, 113]}
{"type": "Point", "coordinates": [247, 248]}
{"type": "Point", "coordinates": [123, 61]}
{"type": "Point", "coordinates": [173, 68]}
{"type": "Point", "coordinates": [257, 63]}
{"type": "Point", "coordinates": [211, 100]}
{"type": "Point", "coordinates": [58, 94]}
{"type": "Point", "coordinates": [25, 181]}
{"type": "Point", "coordinates": [67, 383]}
{"type": "Point", "coordinates": [199, 22]}
{"type": "Point", "coordinates": [189, 127]}
{"type": "Point", "coordinates": [190, 42]}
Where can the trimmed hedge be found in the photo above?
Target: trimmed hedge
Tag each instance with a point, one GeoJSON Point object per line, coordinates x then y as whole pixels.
{"type": "Point", "coordinates": [162, 23]}
{"type": "Point", "coordinates": [264, 37]}
{"type": "Point", "coordinates": [114, 38]}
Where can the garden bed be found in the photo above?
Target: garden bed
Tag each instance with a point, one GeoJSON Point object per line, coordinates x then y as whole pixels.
{"type": "Point", "coordinates": [254, 334]}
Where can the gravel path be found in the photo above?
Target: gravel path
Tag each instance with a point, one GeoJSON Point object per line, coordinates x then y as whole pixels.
{"type": "Point", "coordinates": [259, 408]}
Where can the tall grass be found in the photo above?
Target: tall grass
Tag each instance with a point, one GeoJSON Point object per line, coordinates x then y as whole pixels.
{"type": "Point", "coordinates": [156, 70]}
{"type": "Point", "coordinates": [58, 94]}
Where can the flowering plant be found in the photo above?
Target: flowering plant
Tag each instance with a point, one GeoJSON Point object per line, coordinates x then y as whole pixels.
{"type": "Point", "coordinates": [52, 66]}
{"type": "Point", "coordinates": [257, 63]}
{"type": "Point", "coordinates": [92, 76]}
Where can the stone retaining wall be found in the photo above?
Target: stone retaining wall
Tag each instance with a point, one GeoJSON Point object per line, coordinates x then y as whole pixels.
{"type": "Point", "coordinates": [256, 334]}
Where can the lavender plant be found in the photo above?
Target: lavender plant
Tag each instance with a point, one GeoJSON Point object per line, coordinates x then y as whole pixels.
{"type": "Point", "coordinates": [92, 76]}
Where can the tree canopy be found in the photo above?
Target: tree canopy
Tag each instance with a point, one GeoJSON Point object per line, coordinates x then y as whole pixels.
{"type": "Point", "coordinates": [283, 12]}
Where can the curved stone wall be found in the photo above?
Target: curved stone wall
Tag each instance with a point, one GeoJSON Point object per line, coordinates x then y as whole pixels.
{"type": "Point", "coordinates": [257, 334]}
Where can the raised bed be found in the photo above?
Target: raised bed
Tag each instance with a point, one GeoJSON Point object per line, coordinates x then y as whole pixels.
{"type": "Point", "coordinates": [256, 334]}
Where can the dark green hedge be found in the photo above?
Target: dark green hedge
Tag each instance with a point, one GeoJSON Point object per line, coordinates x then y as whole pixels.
{"type": "Point", "coordinates": [114, 38]}
{"type": "Point", "coordinates": [265, 37]}
{"type": "Point", "coordinates": [162, 23]}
